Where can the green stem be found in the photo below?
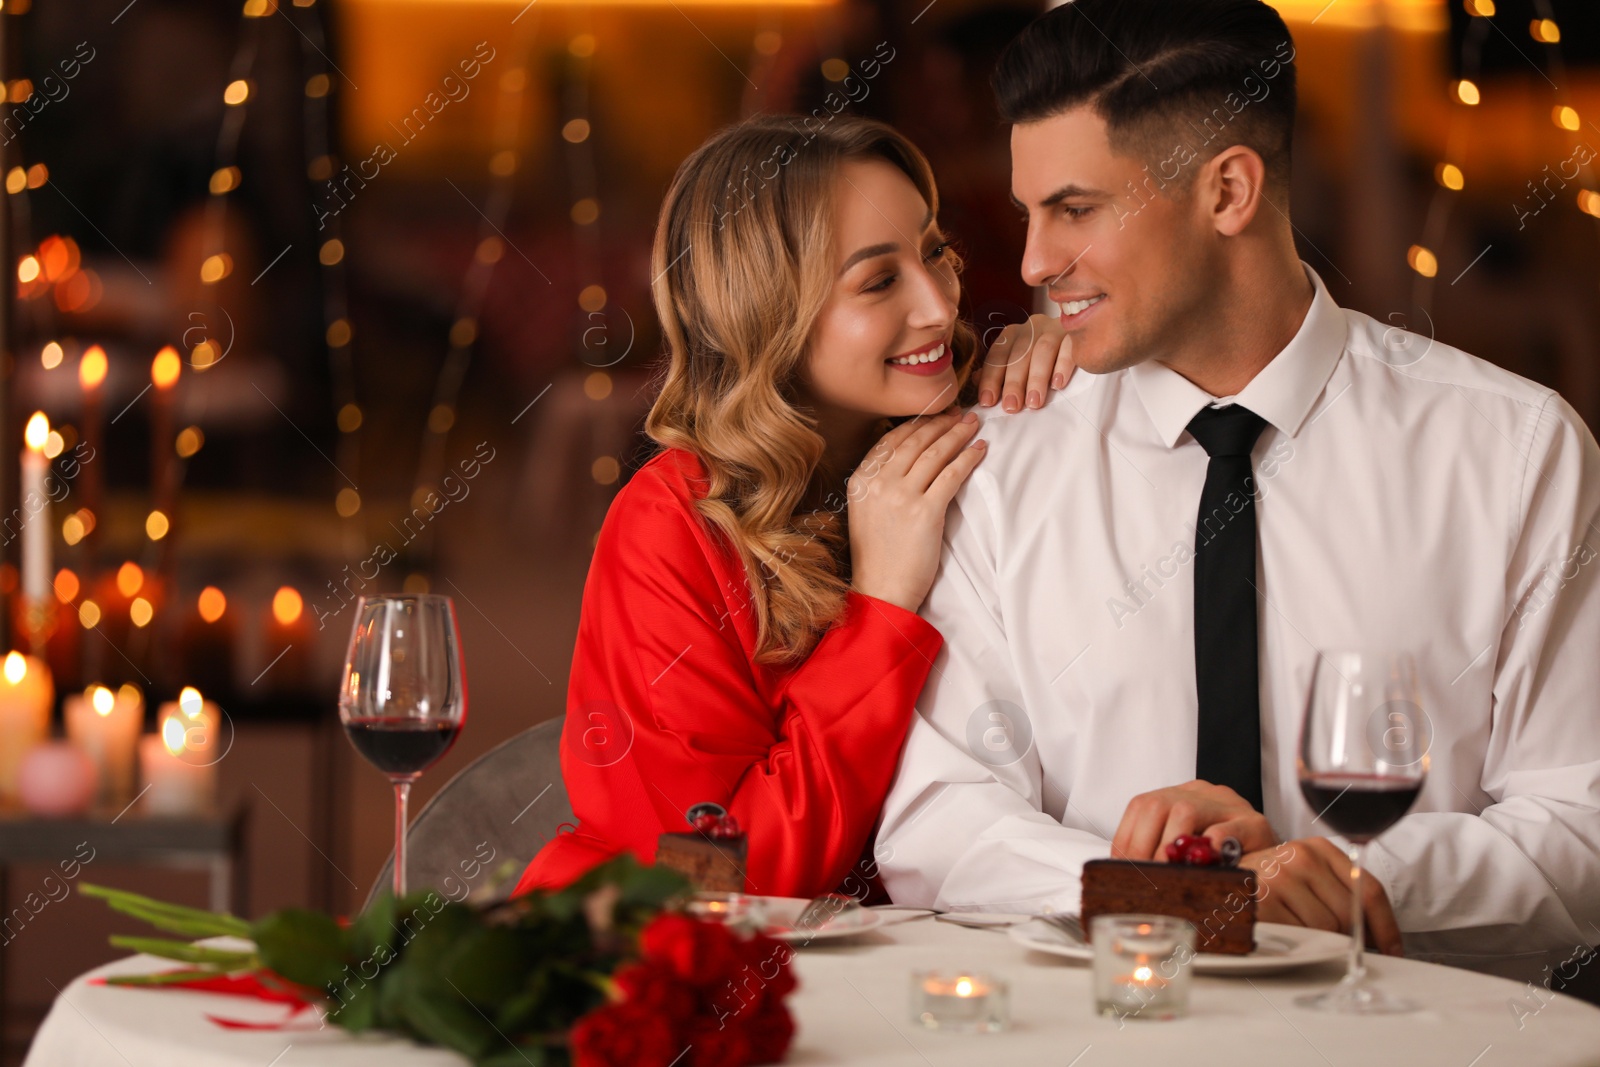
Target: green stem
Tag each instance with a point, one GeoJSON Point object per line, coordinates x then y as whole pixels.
{"type": "Point", "coordinates": [195, 921]}
{"type": "Point", "coordinates": [187, 953]}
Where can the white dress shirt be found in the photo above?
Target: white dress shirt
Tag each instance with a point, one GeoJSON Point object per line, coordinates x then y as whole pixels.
{"type": "Point", "coordinates": [1410, 497]}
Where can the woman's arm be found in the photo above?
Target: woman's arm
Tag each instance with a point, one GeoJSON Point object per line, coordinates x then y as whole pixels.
{"type": "Point", "coordinates": [665, 709]}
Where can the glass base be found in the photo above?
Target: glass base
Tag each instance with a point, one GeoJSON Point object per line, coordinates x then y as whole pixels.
{"type": "Point", "coordinates": [1356, 998]}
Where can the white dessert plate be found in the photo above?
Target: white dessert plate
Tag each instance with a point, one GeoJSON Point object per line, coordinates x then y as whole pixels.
{"type": "Point", "coordinates": [1278, 948]}
{"type": "Point", "coordinates": [779, 915]}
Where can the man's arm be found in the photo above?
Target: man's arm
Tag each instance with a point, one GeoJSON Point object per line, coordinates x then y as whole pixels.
{"type": "Point", "coordinates": [963, 825]}
{"type": "Point", "coordinates": [1523, 874]}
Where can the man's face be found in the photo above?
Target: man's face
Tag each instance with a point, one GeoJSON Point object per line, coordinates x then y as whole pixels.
{"type": "Point", "coordinates": [1129, 265]}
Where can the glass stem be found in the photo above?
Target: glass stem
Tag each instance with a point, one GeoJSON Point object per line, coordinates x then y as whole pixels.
{"type": "Point", "coordinates": [1357, 969]}
{"type": "Point", "coordinates": [402, 794]}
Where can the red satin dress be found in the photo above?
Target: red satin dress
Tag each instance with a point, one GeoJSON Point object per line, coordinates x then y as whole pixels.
{"type": "Point", "coordinates": [667, 708]}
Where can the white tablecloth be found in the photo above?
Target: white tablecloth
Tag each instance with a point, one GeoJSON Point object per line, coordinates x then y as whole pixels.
{"type": "Point", "coordinates": [853, 1007]}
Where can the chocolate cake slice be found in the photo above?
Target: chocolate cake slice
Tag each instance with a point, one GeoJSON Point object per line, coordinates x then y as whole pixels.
{"type": "Point", "coordinates": [1218, 900]}
{"type": "Point", "coordinates": [712, 855]}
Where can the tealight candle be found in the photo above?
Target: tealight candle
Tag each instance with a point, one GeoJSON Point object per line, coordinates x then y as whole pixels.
{"type": "Point", "coordinates": [730, 909]}
{"type": "Point", "coordinates": [179, 762]}
{"type": "Point", "coordinates": [26, 693]}
{"type": "Point", "coordinates": [972, 1003]}
{"type": "Point", "coordinates": [106, 725]}
{"type": "Point", "coordinates": [1141, 965]}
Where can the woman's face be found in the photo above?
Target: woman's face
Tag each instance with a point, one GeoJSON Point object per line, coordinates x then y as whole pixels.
{"type": "Point", "coordinates": [881, 345]}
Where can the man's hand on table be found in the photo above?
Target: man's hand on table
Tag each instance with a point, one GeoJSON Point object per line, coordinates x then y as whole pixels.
{"type": "Point", "coordinates": [1154, 820]}
{"type": "Point", "coordinates": [1306, 882]}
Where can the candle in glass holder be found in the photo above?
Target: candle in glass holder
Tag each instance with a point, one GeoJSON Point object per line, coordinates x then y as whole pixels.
{"type": "Point", "coordinates": [971, 1003]}
{"type": "Point", "coordinates": [26, 695]}
{"type": "Point", "coordinates": [1141, 965]}
{"type": "Point", "coordinates": [179, 761]}
{"type": "Point", "coordinates": [106, 725]}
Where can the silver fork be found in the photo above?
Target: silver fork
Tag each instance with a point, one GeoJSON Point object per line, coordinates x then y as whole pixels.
{"type": "Point", "coordinates": [1065, 922]}
{"type": "Point", "coordinates": [823, 910]}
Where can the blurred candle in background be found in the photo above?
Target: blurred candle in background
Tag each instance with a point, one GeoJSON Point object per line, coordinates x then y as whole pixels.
{"type": "Point", "coordinates": [178, 762]}
{"type": "Point", "coordinates": [106, 725]}
{"type": "Point", "coordinates": [92, 367]}
{"type": "Point", "coordinates": [164, 372]}
{"type": "Point", "coordinates": [26, 695]}
{"type": "Point", "coordinates": [36, 510]}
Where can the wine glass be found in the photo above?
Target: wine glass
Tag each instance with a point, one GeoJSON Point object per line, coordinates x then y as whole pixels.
{"type": "Point", "coordinates": [1363, 760]}
{"type": "Point", "coordinates": [403, 698]}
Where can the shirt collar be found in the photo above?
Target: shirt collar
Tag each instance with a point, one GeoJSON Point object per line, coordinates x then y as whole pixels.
{"type": "Point", "coordinates": [1283, 392]}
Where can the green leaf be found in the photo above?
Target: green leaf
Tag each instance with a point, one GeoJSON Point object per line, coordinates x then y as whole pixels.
{"type": "Point", "coordinates": [307, 947]}
{"type": "Point", "coordinates": [354, 1006]}
{"type": "Point", "coordinates": [526, 1054]}
{"type": "Point", "coordinates": [374, 928]}
{"type": "Point", "coordinates": [441, 1015]}
{"type": "Point", "coordinates": [187, 953]}
{"type": "Point", "coordinates": [488, 965]}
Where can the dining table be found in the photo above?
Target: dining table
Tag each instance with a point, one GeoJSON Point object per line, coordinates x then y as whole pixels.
{"type": "Point", "coordinates": [853, 1005]}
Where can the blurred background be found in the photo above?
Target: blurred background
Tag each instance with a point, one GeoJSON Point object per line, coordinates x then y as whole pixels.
{"type": "Point", "coordinates": [322, 297]}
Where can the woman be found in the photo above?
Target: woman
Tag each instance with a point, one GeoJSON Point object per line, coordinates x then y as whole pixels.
{"type": "Point", "coordinates": [749, 633]}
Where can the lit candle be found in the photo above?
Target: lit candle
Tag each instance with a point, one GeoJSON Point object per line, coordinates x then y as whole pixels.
{"type": "Point", "coordinates": [164, 372]}
{"type": "Point", "coordinates": [106, 725]}
{"type": "Point", "coordinates": [969, 1002]}
{"type": "Point", "coordinates": [92, 368]}
{"type": "Point", "coordinates": [36, 502]}
{"type": "Point", "coordinates": [26, 694]}
{"type": "Point", "coordinates": [1141, 965]}
{"type": "Point", "coordinates": [179, 761]}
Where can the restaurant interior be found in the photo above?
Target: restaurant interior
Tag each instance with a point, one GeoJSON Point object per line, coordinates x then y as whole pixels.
{"type": "Point", "coordinates": [317, 299]}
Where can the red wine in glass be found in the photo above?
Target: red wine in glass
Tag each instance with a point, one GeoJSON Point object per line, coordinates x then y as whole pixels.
{"type": "Point", "coordinates": [1359, 806]}
{"type": "Point", "coordinates": [403, 697]}
{"type": "Point", "coordinates": [402, 747]}
{"type": "Point", "coordinates": [1363, 761]}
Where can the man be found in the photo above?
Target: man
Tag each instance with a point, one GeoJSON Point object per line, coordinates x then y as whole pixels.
{"type": "Point", "coordinates": [1358, 486]}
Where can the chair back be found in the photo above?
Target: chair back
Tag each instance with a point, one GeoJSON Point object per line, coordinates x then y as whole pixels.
{"type": "Point", "coordinates": [502, 807]}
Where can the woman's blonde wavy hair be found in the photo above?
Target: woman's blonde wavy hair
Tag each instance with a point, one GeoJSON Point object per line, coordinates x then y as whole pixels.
{"type": "Point", "coordinates": [743, 263]}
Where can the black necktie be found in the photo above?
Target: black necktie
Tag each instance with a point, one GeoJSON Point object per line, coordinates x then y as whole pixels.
{"type": "Point", "coordinates": [1228, 751]}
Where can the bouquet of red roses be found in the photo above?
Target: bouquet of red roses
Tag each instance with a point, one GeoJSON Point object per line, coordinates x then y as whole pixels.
{"type": "Point", "coordinates": [603, 973]}
{"type": "Point", "coordinates": [700, 994]}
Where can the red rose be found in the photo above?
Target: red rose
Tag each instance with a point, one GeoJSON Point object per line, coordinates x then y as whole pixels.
{"type": "Point", "coordinates": [653, 986]}
{"type": "Point", "coordinates": [769, 960]}
{"type": "Point", "coordinates": [711, 1045]}
{"type": "Point", "coordinates": [770, 1032]}
{"type": "Point", "coordinates": [698, 952]}
{"type": "Point", "coordinates": [624, 1035]}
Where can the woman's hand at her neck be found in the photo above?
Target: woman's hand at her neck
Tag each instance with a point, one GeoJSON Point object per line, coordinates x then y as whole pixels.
{"type": "Point", "coordinates": [898, 498]}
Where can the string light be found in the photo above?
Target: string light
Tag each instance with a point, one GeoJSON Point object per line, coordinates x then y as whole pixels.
{"type": "Point", "coordinates": [1448, 175]}
{"type": "Point", "coordinates": [503, 164]}
{"type": "Point", "coordinates": [211, 603]}
{"type": "Point", "coordinates": [1423, 261]}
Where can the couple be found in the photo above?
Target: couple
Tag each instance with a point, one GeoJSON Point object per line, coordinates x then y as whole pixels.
{"type": "Point", "coordinates": [820, 624]}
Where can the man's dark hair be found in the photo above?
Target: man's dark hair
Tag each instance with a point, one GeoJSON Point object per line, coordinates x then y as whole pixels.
{"type": "Point", "coordinates": [1163, 74]}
